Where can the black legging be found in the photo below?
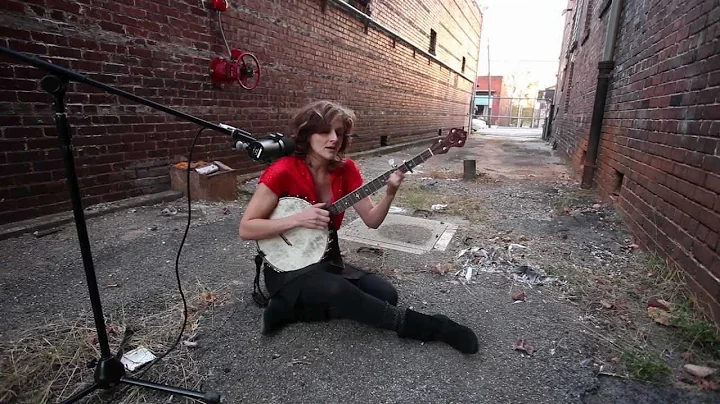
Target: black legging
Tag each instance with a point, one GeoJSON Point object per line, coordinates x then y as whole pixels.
{"type": "Point", "coordinates": [364, 300]}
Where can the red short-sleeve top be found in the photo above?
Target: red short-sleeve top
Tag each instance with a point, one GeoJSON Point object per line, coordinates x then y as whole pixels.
{"type": "Point", "coordinates": [290, 176]}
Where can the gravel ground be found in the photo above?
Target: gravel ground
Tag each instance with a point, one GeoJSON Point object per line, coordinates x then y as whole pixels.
{"type": "Point", "coordinates": [518, 198]}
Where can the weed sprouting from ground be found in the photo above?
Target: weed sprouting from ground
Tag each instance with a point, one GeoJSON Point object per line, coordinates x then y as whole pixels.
{"type": "Point", "coordinates": [644, 368]}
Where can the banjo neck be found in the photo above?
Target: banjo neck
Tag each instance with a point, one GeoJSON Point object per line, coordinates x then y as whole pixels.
{"type": "Point", "coordinates": [371, 187]}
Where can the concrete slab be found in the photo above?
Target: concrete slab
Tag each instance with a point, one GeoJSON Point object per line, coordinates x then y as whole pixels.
{"type": "Point", "coordinates": [402, 233]}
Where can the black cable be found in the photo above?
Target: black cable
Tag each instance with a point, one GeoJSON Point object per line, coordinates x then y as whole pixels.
{"type": "Point", "coordinates": [177, 262]}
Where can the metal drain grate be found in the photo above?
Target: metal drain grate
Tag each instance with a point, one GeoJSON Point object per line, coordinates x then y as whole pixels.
{"type": "Point", "coordinates": [402, 233]}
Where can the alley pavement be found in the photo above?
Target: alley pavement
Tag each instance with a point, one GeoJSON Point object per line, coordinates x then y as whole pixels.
{"type": "Point", "coordinates": [519, 177]}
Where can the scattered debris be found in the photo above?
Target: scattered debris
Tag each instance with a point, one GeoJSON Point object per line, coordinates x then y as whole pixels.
{"type": "Point", "coordinates": [396, 209]}
{"type": "Point", "coordinates": [43, 233]}
{"type": "Point", "coordinates": [208, 297]}
{"type": "Point", "coordinates": [468, 273]}
{"type": "Point", "coordinates": [190, 341]}
{"type": "Point", "coordinates": [113, 285]}
{"type": "Point", "coordinates": [523, 345]}
{"type": "Point", "coordinates": [661, 304]}
{"type": "Point", "coordinates": [226, 210]}
{"type": "Point", "coordinates": [372, 250]}
{"type": "Point", "coordinates": [498, 258]}
{"type": "Point", "coordinates": [687, 356]}
{"type": "Point", "coordinates": [169, 211]}
{"type": "Point", "coordinates": [586, 362]}
{"type": "Point", "coordinates": [659, 316]}
{"type": "Point", "coordinates": [422, 213]}
{"type": "Point", "coordinates": [443, 269]}
{"type": "Point", "coordinates": [707, 384]}
{"type": "Point", "coordinates": [699, 371]}
{"type": "Point", "coordinates": [525, 274]}
{"type": "Point", "coordinates": [207, 169]}
{"type": "Point", "coordinates": [296, 361]}
{"type": "Point", "coordinates": [136, 358]}
{"type": "Point", "coordinates": [518, 297]}
{"type": "Point", "coordinates": [438, 206]}
{"type": "Point", "coordinates": [606, 304]}
{"type": "Point", "coordinates": [659, 310]}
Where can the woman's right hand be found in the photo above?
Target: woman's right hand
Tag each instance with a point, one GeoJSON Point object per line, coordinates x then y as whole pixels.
{"type": "Point", "coordinates": [314, 217]}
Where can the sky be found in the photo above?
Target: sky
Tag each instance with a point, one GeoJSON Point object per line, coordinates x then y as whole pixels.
{"type": "Point", "coordinates": [525, 35]}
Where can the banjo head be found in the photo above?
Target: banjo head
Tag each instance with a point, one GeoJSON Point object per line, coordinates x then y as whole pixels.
{"type": "Point", "coordinates": [308, 245]}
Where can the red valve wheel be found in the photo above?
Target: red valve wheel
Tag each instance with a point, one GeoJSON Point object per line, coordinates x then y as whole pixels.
{"type": "Point", "coordinates": [247, 71]}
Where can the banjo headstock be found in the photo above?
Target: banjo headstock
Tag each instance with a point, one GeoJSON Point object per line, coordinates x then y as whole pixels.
{"type": "Point", "coordinates": [456, 138]}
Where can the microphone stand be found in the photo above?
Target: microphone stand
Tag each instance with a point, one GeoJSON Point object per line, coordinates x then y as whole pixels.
{"type": "Point", "coordinates": [109, 371]}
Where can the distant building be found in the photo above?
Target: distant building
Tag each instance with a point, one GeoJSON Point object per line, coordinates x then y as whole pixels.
{"type": "Point", "coordinates": [483, 110]}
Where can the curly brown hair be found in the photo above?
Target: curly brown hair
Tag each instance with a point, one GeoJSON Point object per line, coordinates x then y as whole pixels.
{"type": "Point", "coordinates": [318, 117]}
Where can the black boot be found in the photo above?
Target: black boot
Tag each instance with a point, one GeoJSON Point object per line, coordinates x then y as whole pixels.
{"type": "Point", "coordinates": [275, 316]}
{"type": "Point", "coordinates": [438, 328]}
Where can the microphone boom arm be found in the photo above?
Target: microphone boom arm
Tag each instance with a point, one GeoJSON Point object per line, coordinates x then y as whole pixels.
{"type": "Point", "coordinates": [238, 135]}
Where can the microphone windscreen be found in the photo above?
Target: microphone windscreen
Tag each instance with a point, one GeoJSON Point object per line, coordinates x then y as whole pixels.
{"type": "Point", "coordinates": [288, 146]}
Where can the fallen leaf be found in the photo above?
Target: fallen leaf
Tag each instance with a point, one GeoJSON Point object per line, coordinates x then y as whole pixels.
{"type": "Point", "coordinates": [687, 356]}
{"type": "Point", "coordinates": [442, 269]}
{"type": "Point", "coordinates": [661, 304]}
{"type": "Point", "coordinates": [707, 384]}
{"type": "Point", "coordinates": [628, 321]}
{"type": "Point", "coordinates": [659, 316]}
{"type": "Point", "coordinates": [523, 345]}
{"type": "Point", "coordinates": [519, 296]}
{"type": "Point", "coordinates": [699, 371]}
{"type": "Point", "coordinates": [208, 297]}
{"type": "Point", "coordinates": [606, 304]}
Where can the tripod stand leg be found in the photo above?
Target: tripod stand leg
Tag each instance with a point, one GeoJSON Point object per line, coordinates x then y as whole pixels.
{"type": "Point", "coordinates": [77, 396]}
{"type": "Point", "coordinates": [205, 397]}
{"type": "Point", "coordinates": [109, 370]}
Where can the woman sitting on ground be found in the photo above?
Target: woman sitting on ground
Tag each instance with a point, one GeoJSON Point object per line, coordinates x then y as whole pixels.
{"type": "Point", "coordinates": [320, 173]}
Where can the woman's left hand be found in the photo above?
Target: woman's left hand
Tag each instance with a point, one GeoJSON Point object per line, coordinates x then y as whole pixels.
{"type": "Point", "coordinates": [394, 182]}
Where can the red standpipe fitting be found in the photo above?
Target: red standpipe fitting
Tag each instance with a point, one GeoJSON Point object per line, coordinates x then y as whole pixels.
{"type": "Point", "coordinates": [220, 5]}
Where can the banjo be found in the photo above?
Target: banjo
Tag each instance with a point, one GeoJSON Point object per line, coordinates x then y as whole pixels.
{"type": "Point", "coordinates": [300, 247]}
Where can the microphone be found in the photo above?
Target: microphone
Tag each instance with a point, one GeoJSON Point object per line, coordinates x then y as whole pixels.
{"type": "Point", "coordinates": [274, 146]}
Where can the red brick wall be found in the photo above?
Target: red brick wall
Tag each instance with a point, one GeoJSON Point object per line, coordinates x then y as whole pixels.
{"type": "Point", "coordinates": [661, 132]}
{"type": "Point", "coordinates": [161, 50]}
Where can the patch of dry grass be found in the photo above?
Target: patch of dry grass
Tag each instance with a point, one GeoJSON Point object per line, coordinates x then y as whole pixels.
{"type": "Point", "coordinates": [615, 304]}
{"type": "Point", "coordinates": [418, 199]}
{"type": "Point", "coordinates": [49, 363]}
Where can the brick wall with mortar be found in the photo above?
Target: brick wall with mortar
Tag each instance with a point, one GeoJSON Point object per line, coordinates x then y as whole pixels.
{"type": "Point", "coordinates": [659, 157]}
{"type": "Point", "coordinates": [161, 50]}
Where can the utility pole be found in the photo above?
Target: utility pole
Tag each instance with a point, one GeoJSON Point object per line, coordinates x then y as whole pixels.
{"type": "Point", "coordinates": [490, 103]}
